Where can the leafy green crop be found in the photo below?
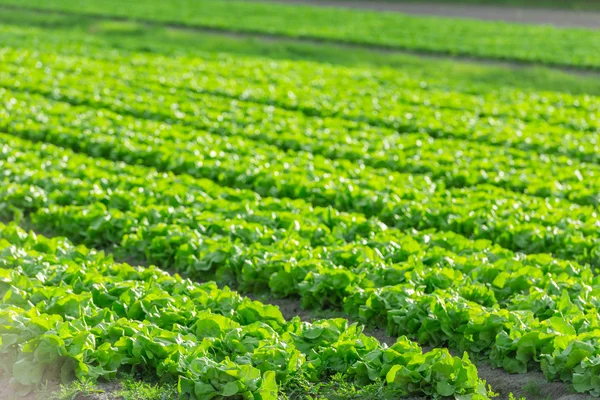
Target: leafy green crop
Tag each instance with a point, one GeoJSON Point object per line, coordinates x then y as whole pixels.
{"type": "Point", "coordinates": [282, 256]}
{"type": "Point", "coordinates": [78, 309]}
{"type": "Point", "coordinates": [451, 218]}
{"type": "Point", "coordinates": [520, 222]}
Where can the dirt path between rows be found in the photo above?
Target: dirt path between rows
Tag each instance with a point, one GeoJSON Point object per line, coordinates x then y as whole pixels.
{"type": "Point", "coordinates": [559, 18]}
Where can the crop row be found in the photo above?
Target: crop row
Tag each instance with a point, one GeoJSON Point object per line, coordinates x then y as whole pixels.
{"type": "Point", "coordinates": [97, 182]}
{"type": "Point", "coordinates": [253, 223]}
{"type": "Point", "coordinates": [541, 128]}
{"type": "Point", "coordinates": [288, 129]}
{"type": "Point", "coordinates": [466, 285]}
{"type": "Point", "coordinates": [514, 220]}
{"type": "Point", "coordinates": [270, 82]}
{"type": "Point", "coordinates": [391, 304]}
{"type": "Point", "coordinates": [456, 163]}
{"type": "Point", "coordinates": [64, 305]}
{"type": "Point", "coordinates": [558, 138]}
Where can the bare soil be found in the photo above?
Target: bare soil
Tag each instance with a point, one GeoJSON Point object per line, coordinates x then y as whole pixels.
{"type": "Point", "coordinates": [537, 16]}
{"type": "Point", "coordinates": [531, 385]}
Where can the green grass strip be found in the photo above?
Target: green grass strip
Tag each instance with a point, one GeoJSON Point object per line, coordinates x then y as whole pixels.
{"type": "Point", "coordinates": [29, 28]}
{"type": "Point", "coordinates": [490, 40]}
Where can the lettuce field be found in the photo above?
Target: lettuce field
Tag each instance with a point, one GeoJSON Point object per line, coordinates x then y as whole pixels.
{"type": "Point", "coordinates": [157, 203]}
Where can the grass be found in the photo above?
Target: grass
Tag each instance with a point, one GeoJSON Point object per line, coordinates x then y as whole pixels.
{"type": "Point", "coordinates": [338, 388]}
{"type": "Point", "coordinates": [488, 40]}
{"type": "Point", "coordinates": [125, 388]}
{"type": "Point", "coordinates": [533, 389]}
{"type": "Point", "coordinates": [576, 5]}
{"type": "Point", "coordinates": [130, 388]}
{"type": "Point", "coordinates": [469, 76]}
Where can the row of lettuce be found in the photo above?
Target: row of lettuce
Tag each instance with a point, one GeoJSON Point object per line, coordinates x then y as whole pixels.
{"type": "Point", "coordinates": [335, 93]}
{"type": "Point", "coordinates": [74, 310]}
{"type": "Point", "coordinates": [515, 220]}
{"type": "Point", "coordinates": [372, 103]}
{"type": "Point", "coordinates": [456, 163]}
{"type": "Point", "coordinates": [522, 312]}
{"type": "Point", "coordinates": [566, 147]}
